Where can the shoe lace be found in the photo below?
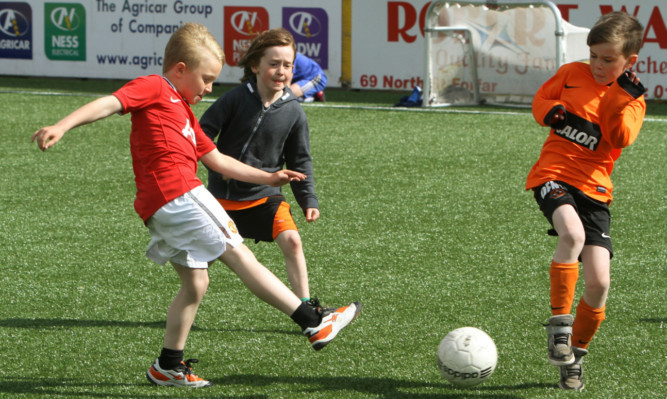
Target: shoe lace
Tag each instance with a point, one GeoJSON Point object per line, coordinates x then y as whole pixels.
{"type": "Point", "coordinates": [573, 370]}
{"type": "Point", "coordinates": [560, 339]}
{"type": "Point", "coordinates": [315, 304]}
{"type": "Point", "coordinates": [186, 366]}
{"type": "Point", "coordinates": [321, 310]}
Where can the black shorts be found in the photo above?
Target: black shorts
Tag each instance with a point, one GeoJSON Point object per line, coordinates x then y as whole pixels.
{"type": "Point", "coordinates": [257, 222]}
{"type": "Point", "coordinates": [594, 214]}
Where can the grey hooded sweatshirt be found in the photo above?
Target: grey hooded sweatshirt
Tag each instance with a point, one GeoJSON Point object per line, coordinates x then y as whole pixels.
{"type": "Point", "coordinates": [266, 138]}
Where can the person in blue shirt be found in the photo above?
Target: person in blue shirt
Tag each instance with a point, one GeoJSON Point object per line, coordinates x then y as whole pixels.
{"type": "Point", "coordinates": [309, 80]}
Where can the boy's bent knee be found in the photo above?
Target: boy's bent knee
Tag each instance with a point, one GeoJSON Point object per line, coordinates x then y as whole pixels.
{"type": "Point", "coordinates": [573, 238]}
{"type": "Point", "coordinates": [290, 241]}
{"type": "Point", "coordinates": [194, 282]}
{"type": "Point", "coordinates": [597, 288]}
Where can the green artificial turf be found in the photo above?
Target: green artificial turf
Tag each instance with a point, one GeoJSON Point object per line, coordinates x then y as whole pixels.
{"type": "Point", "coordinates": [424, 220]}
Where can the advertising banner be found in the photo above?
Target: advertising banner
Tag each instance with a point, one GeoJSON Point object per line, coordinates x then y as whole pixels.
{"type": "Point", "coordinates": [389, 53]}
{"type": "Point", "coordinates": [16, 31]}
{"type": "Point", "coordinates": [123, 39]}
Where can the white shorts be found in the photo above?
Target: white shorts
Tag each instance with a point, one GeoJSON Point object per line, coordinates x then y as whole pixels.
{"type": "Point", "coordinates": [191, 230]}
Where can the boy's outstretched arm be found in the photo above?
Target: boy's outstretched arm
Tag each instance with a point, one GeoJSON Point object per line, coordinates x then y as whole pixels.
{"type": "Point", "coordinates": [95, 110]}
{"type": "Point", "coordinates": [237, 170]}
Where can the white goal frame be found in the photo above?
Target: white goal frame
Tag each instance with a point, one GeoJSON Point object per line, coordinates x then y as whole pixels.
{"type": "Point", "coordinates": [468, 41]}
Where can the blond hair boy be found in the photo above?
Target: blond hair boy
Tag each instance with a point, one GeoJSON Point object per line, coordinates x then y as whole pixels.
{"type": "Point", "coordinates": [188, 227]}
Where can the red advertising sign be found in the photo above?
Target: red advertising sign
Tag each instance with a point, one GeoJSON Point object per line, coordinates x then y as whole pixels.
{"type": "Point", "coordinates": [241, 25]}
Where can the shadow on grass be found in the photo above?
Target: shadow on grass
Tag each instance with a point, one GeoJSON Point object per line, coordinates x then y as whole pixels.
{"type": "Point", "coordinates": [381, 387]}
{"type": "Point", "coordinates": [293, 387]}
{"type": "Point", "coordinates": [48, 323]}
{"type": "Point", "coordinates": [49, 388]}
{"type": "Point", "coordinates": [372, 386]}
{"type": "Point", "coordinates": [653, 320]}
{"type": "Point", "coordinates": [39, 323]}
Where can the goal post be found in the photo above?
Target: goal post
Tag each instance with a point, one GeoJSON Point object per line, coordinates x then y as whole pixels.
{"type": "Point", "coordinates": [495, 52]}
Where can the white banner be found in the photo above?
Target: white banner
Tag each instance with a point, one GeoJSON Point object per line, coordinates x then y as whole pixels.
{"type": "Point", "coordinates": [389, 53]}
{"type": "Point", "coordinates": [123, 39]}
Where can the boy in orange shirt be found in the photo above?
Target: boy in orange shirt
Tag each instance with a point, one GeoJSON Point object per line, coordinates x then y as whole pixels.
{"type": "Point", "coordinates": [594, 111]}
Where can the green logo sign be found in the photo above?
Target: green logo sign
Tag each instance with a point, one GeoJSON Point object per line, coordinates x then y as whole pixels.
{"type": "Point", "coordinates": [65, 31]}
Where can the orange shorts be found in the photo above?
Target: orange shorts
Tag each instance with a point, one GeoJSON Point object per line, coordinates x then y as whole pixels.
{"type": "Point", "coordinates": [261, 220]}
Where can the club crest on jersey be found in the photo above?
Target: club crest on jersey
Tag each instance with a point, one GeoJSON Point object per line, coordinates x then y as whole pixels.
{"type": "Point", "coordinates": [557, 193]}
{"type": "Point", "coordinates": [580, 131]}
{"type": "Point", "coordinates": [232, 227]}
{"type": "Point", "coordinates": [553, 189]}
{"type": "Point", "coordinates": [189, 132]}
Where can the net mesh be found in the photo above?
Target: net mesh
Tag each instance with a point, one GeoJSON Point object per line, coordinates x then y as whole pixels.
{"type": "Point", "coordinates": [495, 54]}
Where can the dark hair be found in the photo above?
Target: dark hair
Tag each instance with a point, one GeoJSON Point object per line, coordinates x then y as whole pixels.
{"type": "Point", "coordinates": [618, 27]}
{"type": "Point", "coordinates": [270, 38]}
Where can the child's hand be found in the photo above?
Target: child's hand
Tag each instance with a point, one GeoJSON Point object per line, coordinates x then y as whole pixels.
{"type": "Point", "coordinates": [632, 76]}
{"type": "Point", "coordinates": [557, 117]}
{"type": "Point", "coordinates": [285, 176]}
{"type": "Point", "coordinates": [47, 136]}
{"type": "Point", "coordinates": [312, 214]}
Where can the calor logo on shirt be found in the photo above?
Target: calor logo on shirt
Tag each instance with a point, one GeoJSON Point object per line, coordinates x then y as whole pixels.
{"type": "Point", "coordinates": [581, 131]}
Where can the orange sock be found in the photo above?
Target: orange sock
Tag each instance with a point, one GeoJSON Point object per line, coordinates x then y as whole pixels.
{"type": "Point", "coordinates": [564, 278]}
{"type": "Point", "coordinates": [586, 324]}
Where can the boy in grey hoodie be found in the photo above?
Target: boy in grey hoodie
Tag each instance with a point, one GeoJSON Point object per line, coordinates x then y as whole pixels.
{"type": "Point", "coordinates": [261, 123]}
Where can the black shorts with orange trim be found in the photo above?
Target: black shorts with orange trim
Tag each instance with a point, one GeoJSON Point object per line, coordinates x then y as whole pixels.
{"type": "Point", "coordinates": [594, 214]}
{"type": "Point", "coordinates": [265, 221]}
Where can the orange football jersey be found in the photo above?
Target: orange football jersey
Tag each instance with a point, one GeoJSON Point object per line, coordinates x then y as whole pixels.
{"type": "Point", "coordinates": [600, 121]}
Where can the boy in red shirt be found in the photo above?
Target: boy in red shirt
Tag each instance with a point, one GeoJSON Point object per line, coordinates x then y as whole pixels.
{"type": "Point", "coordinates": [188, 227]}
{"type": "Point", "coordinates": [594, 111]}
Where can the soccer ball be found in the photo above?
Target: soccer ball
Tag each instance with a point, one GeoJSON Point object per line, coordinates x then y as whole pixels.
{"type": "Point", "coordinates": [467, 356]}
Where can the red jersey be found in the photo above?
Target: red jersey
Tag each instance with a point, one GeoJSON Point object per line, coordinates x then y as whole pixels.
{"type": "Point", "coordinates": [166, 142]}
{"type": "Point", "coordinates": [600, 121]}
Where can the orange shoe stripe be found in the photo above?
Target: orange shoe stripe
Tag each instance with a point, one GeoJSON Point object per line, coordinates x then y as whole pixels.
{"type": "Point", "coordinates": [339, 311]}
{"type": "Point", "coordinates": [323, 333]}
{"type": "Point", "coordinates": [157, 375]}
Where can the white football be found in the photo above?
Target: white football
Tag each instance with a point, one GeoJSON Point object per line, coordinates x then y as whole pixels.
{"type": "Point", "coordinates": [467, 356]}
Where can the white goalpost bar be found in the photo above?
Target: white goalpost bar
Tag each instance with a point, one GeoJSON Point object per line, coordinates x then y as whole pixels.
{"type": "Point", "coordinates": [494, 51]}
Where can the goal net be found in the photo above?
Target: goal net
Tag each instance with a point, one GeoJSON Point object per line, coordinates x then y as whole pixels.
{"type": "Point", "coordinates": [495, 52]}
